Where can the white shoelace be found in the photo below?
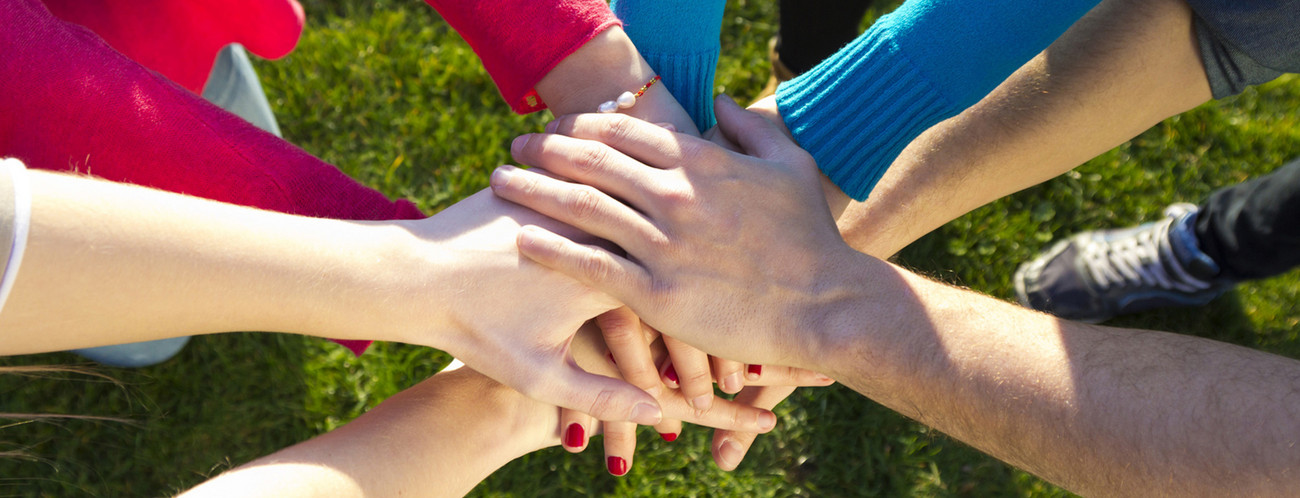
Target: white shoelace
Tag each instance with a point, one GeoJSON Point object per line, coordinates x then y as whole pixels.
{"type": "Point", "coordinates": [1137, 261]}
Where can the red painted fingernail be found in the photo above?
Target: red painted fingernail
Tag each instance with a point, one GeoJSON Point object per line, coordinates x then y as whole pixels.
{"type": "Point", "coordinates": [671, 374]}
{"type": "Point", "coordinates": [617, 465]}
{"type": "Point", "coordinates": [669, 436]}
{"type": "Point", "coordinates": [610, 355]}
{"type": "Point", "coordinates": [573, 436]}
{"type": "Point", "coordinates": [755, 370]}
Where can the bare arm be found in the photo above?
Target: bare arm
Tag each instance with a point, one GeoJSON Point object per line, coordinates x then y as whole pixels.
{"type": "Point", "coordinates": [441, 437]}
{"type": "Point", "coordinates": [1121, 69]}
{"type": "Point", "coordinates": [1101, 411]}
{"type": "Point", "coordinates": [1097, 410]}
{"type": "Point", "coordinates": [111, 263]}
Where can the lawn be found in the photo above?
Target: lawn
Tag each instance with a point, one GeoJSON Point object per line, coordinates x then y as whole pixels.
{"type": "Point", "coordinates": [391, 95]}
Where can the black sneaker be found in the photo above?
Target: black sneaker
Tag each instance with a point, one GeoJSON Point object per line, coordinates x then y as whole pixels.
{"type": "Point", "coordinates": [1095, 275]}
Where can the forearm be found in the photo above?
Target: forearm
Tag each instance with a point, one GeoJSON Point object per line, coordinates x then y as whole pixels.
{"type": "Point", "coordinates": [680, 40]}
{"type": "Point", "coordinates": [439, 438]}
{"type": "Point", "coordinates": [603, 68]}
{"type": "Point", "coordinates": [1100, 411]}
{"type": "Point", "coordinates": [924, 62]}
{"type": "Point", "coordinates": [1123, 68]}
{"type": "Point", "coordinates": [111, 263]}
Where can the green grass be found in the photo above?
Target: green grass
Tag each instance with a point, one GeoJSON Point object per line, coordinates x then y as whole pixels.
{"type": "Point", "coordinates": [387, 92]}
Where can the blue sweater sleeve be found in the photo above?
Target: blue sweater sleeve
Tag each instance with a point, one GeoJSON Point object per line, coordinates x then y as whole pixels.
{"type": "Point", "coordinates": [679, 39]}
{"type": "Point", "coordinates": [923, 63]}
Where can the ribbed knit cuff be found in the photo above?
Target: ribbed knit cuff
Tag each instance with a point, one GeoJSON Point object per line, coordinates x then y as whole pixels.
{"type": "Point", "coordinates": [856, 111]}
{"type": "Point", "coordinates": [689, 77]}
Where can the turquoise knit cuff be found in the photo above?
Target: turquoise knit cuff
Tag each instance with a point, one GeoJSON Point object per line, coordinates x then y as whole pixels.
{"type": "Point", "coordinates": [689, 77]}
{"type": "Point", "coordinates": [856, 111]}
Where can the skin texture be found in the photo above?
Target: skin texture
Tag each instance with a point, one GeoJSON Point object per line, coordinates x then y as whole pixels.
{"type": "Point", "coordinates": [109, 263]}
{"type": "Point", "coordinates": [1141, 413]}
{"type": "Point", "coordinates": [416, 442]}
{"type": "Point", "coordinates": [570, 88]}
{"type": "Point", "coordinates": [1121, 69]}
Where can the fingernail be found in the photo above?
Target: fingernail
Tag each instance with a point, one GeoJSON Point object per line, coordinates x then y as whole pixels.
{"type": "Point", "coordinates": [670, 373]}
{"type": "Point", "coordinates": [702, 403]}
{"type": "Point", "coordinates": [646, 414]}
{"type": "Point", "coordinates": [731, 454]}
{"type": "Point", "coordinates": [766, 421]}
{"type": "Point", "coordinates": [519, 143]}
{"type": "Point", "coordinates": [667, 126]}
{"type": "Point", "coordinates": [501, 176]}
{"type": "Point", "coordinates": [610, 355]}
{"type": "Point", "coordinates": [573, 436]}
{"type": "Point", "coordinates": [617, 465]}
{"type": "Point", "coordinates": [732, 383]}
{"type": "Point", "coordinates": [669, 436]}
{"type": "Point", "coordinates": [754, 371]}
{"type": "Point", "coordinates": [823, 378]}
{"type": "Point", "coordinates": [552, 126]}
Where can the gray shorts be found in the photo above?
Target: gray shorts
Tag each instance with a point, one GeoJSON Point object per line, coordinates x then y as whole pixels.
{"type": "Point", "coordinates": [1246, 42]}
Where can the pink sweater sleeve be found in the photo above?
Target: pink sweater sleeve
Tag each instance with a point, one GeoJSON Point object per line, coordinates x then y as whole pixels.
{"type": "Point", "coordinates": [520, 41]}
{"type": "Point", "coordinates": [69, 102]}
{"type": "Point", "coordinates": [180, 39]}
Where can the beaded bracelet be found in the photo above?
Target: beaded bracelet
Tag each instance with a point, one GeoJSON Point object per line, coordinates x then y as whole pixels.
{"type": "Point", "coordinates": [626, 99]}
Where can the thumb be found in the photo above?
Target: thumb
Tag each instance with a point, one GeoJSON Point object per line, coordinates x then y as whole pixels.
{"type": "Point", "coordinates": [755, 135]}
{"type": "Point", "coordinates": [601, 397]}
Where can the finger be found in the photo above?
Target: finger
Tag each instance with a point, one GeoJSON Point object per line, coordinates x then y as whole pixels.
{"type": "Point", "coordinates": [754, 134]}
{"type": "Point", "coordinates": [669, 429]}
{"type": "Point", "coordinates": [580, 206]}
{"type": "Point", "coordinates": [730, 446]}
{"type": "Point", "coordinates": [620, 445]}
{"type": "Point", "coordinates": [645, 142]}
{"type": "Point", "coordinates": [625, 339]}
{"type": "Point", "coordinates": [568, 386]}
{"type": "Point", "coordinates": [587, 162]}
{"type": "Point", "coordinates": [786, 376]}
{"type": "Point", "coordinates": [575, 429]}
{"type": "Point", "coordinates": [715, 136]}
{"type": "Point", "coordinates": [722, 414]}
{"type": "Point", "coordinates": [693, 375]}
{"type": "Point", "coordinates": [593, 266]}
{"type": "Point", "coordinates": [728, 374]}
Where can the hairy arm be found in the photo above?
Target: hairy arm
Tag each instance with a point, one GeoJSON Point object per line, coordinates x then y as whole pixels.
{"type": "Point", "coordinates": [1121, 69]}
{"type": "Point", "coordinates": [1098, 410]}
{"type": "Point", "coordinates": [1101, 411]}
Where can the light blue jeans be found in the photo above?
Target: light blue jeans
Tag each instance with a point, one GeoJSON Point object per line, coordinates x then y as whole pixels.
{"type": "Point", "coordinates": [233, 86]}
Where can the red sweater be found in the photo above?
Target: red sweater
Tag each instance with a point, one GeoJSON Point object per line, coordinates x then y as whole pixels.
{"type": "Point", "coordinates": [520, 41]}
{"type": "Point", "coordinates": [69, 101]}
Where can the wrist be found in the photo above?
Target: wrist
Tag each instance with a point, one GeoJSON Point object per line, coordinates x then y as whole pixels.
{"type": "Point", "coordinates": [600, 71]}
{"type": "Point", "coordinates": [856, 295]}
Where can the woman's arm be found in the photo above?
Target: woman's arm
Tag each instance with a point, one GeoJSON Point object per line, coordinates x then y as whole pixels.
{"type": "Point", "coordinates": [109, 263]}
{"type": "Point", "coordinates": [441, 437]}
{"type": "Point", "coordinates": [568, 55]}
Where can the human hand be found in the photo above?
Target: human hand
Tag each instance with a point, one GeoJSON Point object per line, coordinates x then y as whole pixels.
{"type": "Point", "coordinates": [620, 437]}
{"type": "Point", "coordinates": [767, 108]}
{"type": "Point", "coordinates": [502, 314]}
{"type": "Point", "coordinates": [724, 251]}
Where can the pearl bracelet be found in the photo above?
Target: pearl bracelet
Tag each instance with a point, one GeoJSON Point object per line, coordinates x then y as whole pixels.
{"type": "Point", "coordinates": [626, 99]}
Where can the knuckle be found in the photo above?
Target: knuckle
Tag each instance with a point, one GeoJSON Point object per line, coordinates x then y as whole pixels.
{"type": "Point", "coordinates": [602, 404]}
{"type": "Point", "coordinates": [619, 328]}
{"type": "Point", "coordinates": [593, 266]}
{"type": "Point", "coordinates": [617, 129]}
{"type": "Point", "coordinates": [697, 378]}
{"type": "Point", "coordinates": [591, 159]}
{"type": "Point", "coordinates": [582, 203]}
